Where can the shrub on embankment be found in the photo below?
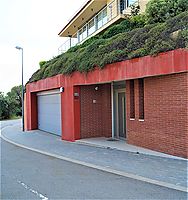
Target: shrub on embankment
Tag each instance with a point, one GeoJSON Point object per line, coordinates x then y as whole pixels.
{"type": "Point", "coordinates": [132, 38]}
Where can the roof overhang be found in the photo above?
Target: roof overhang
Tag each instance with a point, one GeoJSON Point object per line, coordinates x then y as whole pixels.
{"type": "Point", "coordinates": [91, 8]}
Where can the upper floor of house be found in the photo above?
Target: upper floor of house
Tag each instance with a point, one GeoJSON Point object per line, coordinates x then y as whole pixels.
{"type": "Point", "coordinates": [94, 17]}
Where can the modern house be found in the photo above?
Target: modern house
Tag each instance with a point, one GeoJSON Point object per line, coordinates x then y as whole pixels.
{"type": "Point", "coordinates": [143, 101]}
{"type": "Point", "coordinates": [94, 17]}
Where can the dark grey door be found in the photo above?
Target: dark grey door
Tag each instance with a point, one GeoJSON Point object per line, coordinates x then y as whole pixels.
{"type": "Point", "coordinates": [49, 113]}
{"type": "Point", "coordinates": [121, 115]}
{"type": "Point", "coordinates": [122, 6]}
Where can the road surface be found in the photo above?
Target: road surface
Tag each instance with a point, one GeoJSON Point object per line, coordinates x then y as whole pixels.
{"type": "Point", "coordinates": [29, 175]}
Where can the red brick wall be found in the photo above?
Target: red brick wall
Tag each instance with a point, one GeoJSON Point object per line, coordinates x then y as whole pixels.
{"type": "Point", "coordinates": [96, 117]}
{"type": "Point", "coordinates": [165, 127]}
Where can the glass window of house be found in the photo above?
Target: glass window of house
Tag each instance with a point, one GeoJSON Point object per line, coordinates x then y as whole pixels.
{"type": "Point", "coordinates": [123, 5]}
{"type": "Point", "coordinates": [74, 41]}
{"type": "Point", "coordinates": [80, 35]}
{"type": "Point", "coordinates": [132, 99]}
{"type": "Point", "coordinates": [91, 26]}
{"type": "Point", "coordinates": [99, 20]}
{"type": "Point", "coordinates": [84, 32]}
{"type": "Point", "coordinates": [141, 98]}
{"type": "Point", "coordinates": [130, 2]}
{"type": "Point", "coordinates": [105, 16]}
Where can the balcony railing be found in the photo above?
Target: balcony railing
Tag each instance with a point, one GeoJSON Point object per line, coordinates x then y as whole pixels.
{"type": "Point", "coordinates": [71, 42]}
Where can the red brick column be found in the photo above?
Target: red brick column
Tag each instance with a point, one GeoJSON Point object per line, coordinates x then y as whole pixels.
{"type": "Point", "coordinates": [32, 116]}
{"type": "Point", "coordinates": [67, 113]}
{"type": "Point", "coordinates": [77, 113]}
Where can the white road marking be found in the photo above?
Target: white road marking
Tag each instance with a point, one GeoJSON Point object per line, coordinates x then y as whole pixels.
{"type": "Point", "coordinates": [33, 191]}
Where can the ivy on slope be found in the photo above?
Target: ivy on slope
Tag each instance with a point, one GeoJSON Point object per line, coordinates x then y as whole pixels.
{"type": "Point", "coordinates": [118, 44]}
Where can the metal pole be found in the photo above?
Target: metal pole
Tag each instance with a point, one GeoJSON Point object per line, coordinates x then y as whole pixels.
{"type": "Point", "coordinates": [23, 128]}
{"type": "Point", "coordinates": [20, 48]}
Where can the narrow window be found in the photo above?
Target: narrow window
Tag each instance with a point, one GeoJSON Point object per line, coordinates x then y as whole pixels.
{"type": "Point", "coordinates": [84, 34]}
{"type": "Point", "coordinates": [132, 103]}
{"type": "Point", "coordinates": [99, 20]}
{"type": "Point", "coordinates": [91, 26]}
{"type": "Point", "coordinates": [105, 18]}
{"type": "Point", "coordinates": [80, 35]}
{"type": "Point", "coordinates": [141, 99]}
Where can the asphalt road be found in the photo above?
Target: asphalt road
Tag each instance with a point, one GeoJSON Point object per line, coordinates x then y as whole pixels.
{"type": "Point", "coordinates": [28, 175]}
{"type": "Point", "coordinates": [6, 123]}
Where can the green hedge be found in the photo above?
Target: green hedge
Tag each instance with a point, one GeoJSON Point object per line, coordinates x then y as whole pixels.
{"type": "Point", "coordinates": [161, 10]}
{"type": "Point", "coordinates": [117, 44]}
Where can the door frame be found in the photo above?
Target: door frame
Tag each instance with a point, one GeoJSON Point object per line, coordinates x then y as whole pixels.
{"type": "Point", "coordinates": [117, 91]}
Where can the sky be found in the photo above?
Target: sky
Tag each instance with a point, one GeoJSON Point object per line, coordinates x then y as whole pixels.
{"type": "Point", "coordinates": [34, 25]}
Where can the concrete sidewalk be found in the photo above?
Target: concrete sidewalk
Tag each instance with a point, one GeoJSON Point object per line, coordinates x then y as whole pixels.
{"type": "Point", "coordinates": [123, 146]}
{"type": "Point", "coordinates": [167, 172]}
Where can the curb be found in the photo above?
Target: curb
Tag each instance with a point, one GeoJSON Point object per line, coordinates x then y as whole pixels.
{"type": "Point", "coordinates": [105, 169]}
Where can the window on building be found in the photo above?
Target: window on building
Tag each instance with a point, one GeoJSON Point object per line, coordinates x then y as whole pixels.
{"type": "Point", "coordinates": [84, 32]}
{"type": "Point", "coordinates": [123, 5]}
{"type": "Point", "coordinates": [105, 20]}
{"type": "Point", "coordinates": [141, 98]}
{"type": "Point", "coordinates": [132, 100]}
{"type": "Point", "coordinates": [91, 27]}
{"type": "Point", "coordinates": [126, 3]}
{"type": "Point", "coordinates": [99, 20]}
{"type": "Point", "coordinates": [80, 35]}
{"type": "Point", "coordinates": [95, 23]}
{"type": "Point", "coordinates": [131, 2]}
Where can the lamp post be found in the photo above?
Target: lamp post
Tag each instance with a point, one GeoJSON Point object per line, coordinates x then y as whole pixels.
{"type": "Point", "coordinates": [20, 48]}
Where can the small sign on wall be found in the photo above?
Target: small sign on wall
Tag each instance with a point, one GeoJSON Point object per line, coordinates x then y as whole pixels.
{"type": "Point", "coordinates": [76, 95]}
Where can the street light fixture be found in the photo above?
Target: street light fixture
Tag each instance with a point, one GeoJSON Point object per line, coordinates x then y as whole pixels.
{"type": "Point", "coordinates": [20, 48]}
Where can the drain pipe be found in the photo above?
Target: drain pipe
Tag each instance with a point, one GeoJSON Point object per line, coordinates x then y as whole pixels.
{"type": "Point", "coordinates": [112, 103]}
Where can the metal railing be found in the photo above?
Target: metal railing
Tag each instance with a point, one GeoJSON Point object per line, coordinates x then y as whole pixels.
{"type": "Point", "coordinates": [71, 42]}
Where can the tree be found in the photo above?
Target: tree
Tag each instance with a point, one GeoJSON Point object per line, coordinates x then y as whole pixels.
{"type": "Point", "coordinates": [4, 111]}
{"type": "Point", "coordinates": [161, 10]}
{"type": "Point", "coordinates": [135, 10]}
{"type": "Point", "coordinates": [14, 98]}
{"type": "Point", "coordinates": [11, 104]}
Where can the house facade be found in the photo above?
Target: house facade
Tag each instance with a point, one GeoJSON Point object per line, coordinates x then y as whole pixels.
{"type": "Point", "coordinates": [94, 17]}
{"type": "Point", "coordinates": [143, 101]}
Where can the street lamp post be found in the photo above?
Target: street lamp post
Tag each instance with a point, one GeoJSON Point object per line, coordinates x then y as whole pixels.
{"type": "Point", "coordinates": [20, 48]}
